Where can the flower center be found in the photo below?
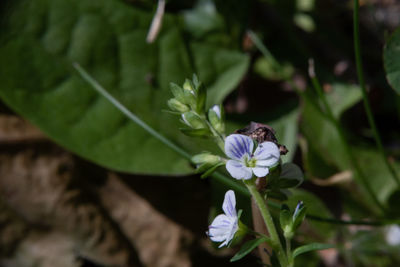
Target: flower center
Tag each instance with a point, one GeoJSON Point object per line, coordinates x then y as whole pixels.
{"type": "Point", "coordinates": [250, 162]}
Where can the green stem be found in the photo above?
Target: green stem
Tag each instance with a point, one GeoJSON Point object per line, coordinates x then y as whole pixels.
{"type": "Point", "coordinates": [289, 251]}
{"type": "Point", "coordinates": [219, 139]}
{"type": "Point", "coordinates": [367, 106]}
{"type": "Point", "coordinates": [342, 136]}
{"type": "Point", "coordinates": [275, 241]}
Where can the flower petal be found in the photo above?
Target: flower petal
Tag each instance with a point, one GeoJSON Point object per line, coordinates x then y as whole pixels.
{"type": "Point", "coordinates": [267, 154]}
{"type": "Point", "coordinates": [238, 145]}
{"type": "Point", "coordinates": [393, 235]}
{"type": "Point", "coordinates": [229, 205]}
{"type": "Point", "coordinates": [260, 171]}
{"type": "Point", "coordinates": [238, 170]}
{"type": "Point", "coordinates": [220, 229]}
{"type": "Point", "coordinates": [217, 110]}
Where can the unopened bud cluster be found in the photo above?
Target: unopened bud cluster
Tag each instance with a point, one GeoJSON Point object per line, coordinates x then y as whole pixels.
{"type": "Point", "coordinates": [190, 103]}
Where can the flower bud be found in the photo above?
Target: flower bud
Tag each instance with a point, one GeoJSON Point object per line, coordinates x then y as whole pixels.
{"type": "Point", "coordinates": [176, 105]}
{"type": "Point", "coordinates": [193, 120]}
{"type": "Point", "coordinates": [290, 223]}
{"type": "Point", "coordinates": [188, 86]}
{"type": "Point", "coordinates": [215, 118]}
{"type": "Point", "coordinates": [177, 91]}
{"type": "Point", "coordinates": [299, 215]}
{"type": "Point", "coordinates": [206, 157]}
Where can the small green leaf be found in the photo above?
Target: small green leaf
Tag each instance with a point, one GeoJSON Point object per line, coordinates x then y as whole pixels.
{"type": "Point", "coordinates": [291, 176]}
{"type": "Point", "coordinates": [291, 171]}
{"type": "Point", "coordinates": [248, 247]}
{"type": "Point", "coordinates": [177, 92]}
{"type": "Point", "coordinates": [310, 247]}
{"type": "Point", "coordinates": [201, 99]}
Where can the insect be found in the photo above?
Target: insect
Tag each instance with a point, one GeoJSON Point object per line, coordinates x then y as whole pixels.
{"type": "Point", "coordinates": [261, 133]}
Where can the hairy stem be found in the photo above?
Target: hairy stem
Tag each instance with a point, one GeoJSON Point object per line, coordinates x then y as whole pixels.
{"type": "Point", "coordinates": [261, 203]}
{"type": "Point", "coordinates": [289, 251]}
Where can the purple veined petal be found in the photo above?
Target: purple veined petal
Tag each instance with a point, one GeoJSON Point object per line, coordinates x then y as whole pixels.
{"type": "Point", "coordinates": [260, 171]}
{"type": "Point", "coordinates": [220, 229]}
{"type": "Point", "coordinates": [232, 233]}
{"type": "Point", "coordinates": [238, 170]}
{"type": "Point", "coordinates": [267, 154]}
{"type": "Point", "coordinates": [238, 145]}
{"type": "Point", "coordinates": [229, 205]}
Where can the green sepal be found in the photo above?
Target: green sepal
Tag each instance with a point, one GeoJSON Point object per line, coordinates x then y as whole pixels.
{"type": "Point", "coordinates": [177, 91]}
{"type": "Point", "coordinates": [239, 214]}
{"type": "Point", "coordinates": [189, 86]}
{"type": "Point", "coordinates": [177, 105]}
{"type": "Point", "coordinates": [201, 99]}
{"type": "Point", "coordinates": [193, 120]}
{"type": "Point", "coordinates": [239, 235]}
{"type": "Point", "coordinates": [190, 99]}
{"type": "Point", "coordinates": [216, 121]}
{"type": "Point", "coordinates": [285, 218]}
{"type": "Point", "coordinates": [195, 81]}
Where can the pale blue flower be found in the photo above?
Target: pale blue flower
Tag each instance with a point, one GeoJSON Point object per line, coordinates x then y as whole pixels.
{"type": "Point", "coordinates": [244, 162]}
{"type": "Point", "coordinates": [224, 226]}
{"type": "Point", "coordinates": [393, 235]}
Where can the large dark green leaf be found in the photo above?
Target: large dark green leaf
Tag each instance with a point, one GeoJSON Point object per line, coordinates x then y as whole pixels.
{"type": "Point", "coordinates": [391, 60]}
{"type": "Point", "coordinates": [41, 39]}
{"type": "Point", "coordinates": [286, 128]}
{"type": "Point", "coordinates": [377, 172]}
{"type": "Point", "coordinates": [323, 136]}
